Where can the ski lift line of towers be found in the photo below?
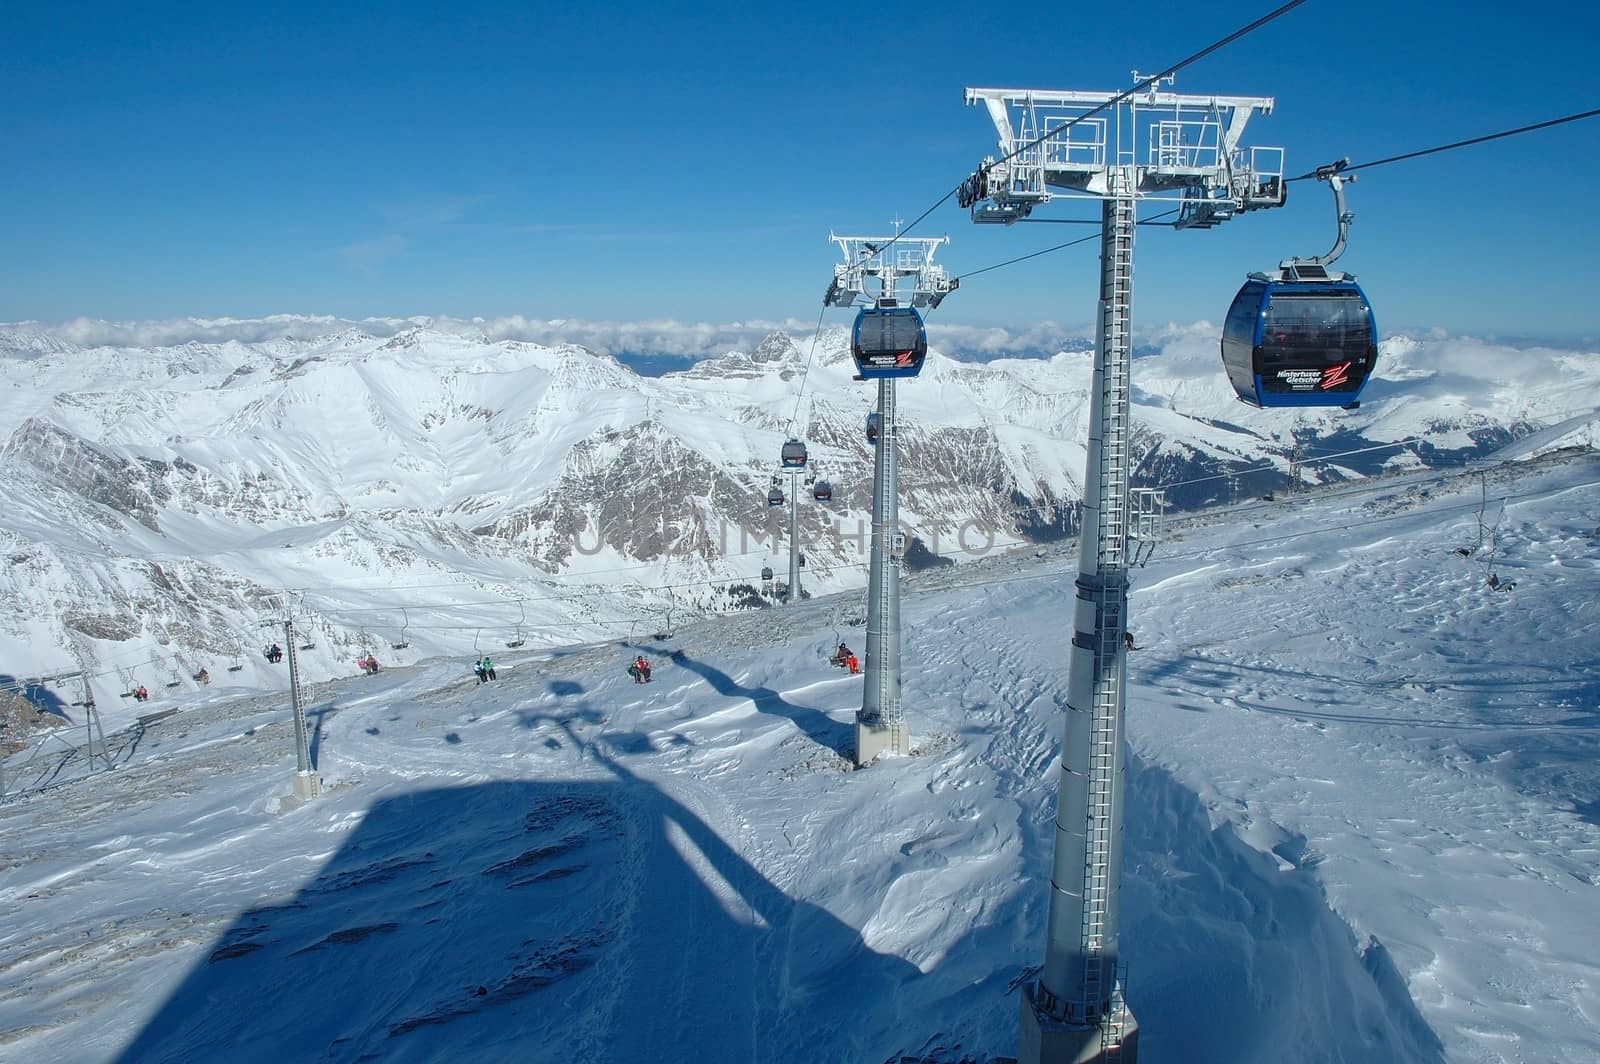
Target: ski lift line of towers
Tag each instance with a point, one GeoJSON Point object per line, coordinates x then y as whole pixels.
{"type": "Point", "coordinates": [1118, 148]}
{"type": "Point", "coordinates": [888, 342]}
{"type": "Point", "coordinates": [794, 461]}
{"type": "Point", "coordinates": [94, 735]}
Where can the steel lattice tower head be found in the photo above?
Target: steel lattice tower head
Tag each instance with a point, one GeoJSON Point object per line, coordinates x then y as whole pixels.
{"type": "Point", "coordinates": [1178, 148]}
{"type": "Point", "coordinates": [1120, 149]}
{"type": "Point", "coordinates": [880, 262]}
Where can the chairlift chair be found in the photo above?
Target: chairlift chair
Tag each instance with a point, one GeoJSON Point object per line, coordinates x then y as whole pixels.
{"type": "Point", "coordinates": [517, 640]}
{"type": "Point", "coordinates": [405, 622]}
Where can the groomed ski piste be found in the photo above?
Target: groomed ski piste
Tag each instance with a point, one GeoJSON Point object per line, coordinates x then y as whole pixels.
{"type": "Point", "coordinates": [1363, 824]}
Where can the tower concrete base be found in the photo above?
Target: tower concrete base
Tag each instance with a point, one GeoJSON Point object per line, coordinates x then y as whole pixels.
{"type": "Point", "coordinates": [873, 737]}
{"type": "Point", "coordinates": [307, 785]}
{"type": "Point", "coordinates": [1043, 1039]}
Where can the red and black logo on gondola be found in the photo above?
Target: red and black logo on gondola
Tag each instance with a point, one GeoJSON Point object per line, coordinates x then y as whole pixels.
{"type": "Point", "coordinates": [1336, 376]}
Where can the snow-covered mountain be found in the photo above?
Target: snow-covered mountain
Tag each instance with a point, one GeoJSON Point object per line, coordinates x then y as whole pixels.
{"type": "Point", "coordinates": [1362, 823]}
{"type": "Point", "coordinates": [453, 493]}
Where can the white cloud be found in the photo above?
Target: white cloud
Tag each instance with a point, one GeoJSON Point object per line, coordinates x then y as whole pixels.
{"type": "Point", "coordinates": [1430, 354]}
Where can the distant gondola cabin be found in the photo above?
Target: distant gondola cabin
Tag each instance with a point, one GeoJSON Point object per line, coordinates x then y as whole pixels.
{"type": "Point", "coordinates": [775, 497]}
{"type": "Point", "coordinates": [873, 421]}
{"type": "Point", "coordinates": [794, 455]}
{"type": "Point", "coordinates": [822, 491]}
{"type": "Point", "coordinates": [888, 342]}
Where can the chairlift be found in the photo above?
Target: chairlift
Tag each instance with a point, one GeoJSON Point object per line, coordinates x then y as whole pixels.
{"type": "Point", "coordinates": [822, 491]}
{"type": "Point", "coordinates": [873, 421]}
{"type": "Point", "coordinates": [405, 622]}
{"type": "Point", "coordinates": [309, 644]}
{"type": "Point", "coordinates": [667, 631]}
{"type": "Point", "coordinates": [1305, 336]}
{"type": "Point", "coordinates": [888, 341]}
{"type": "Point", "coordinates": [517, 640]}
{"type": "Point", "coordinates": [794, 454]}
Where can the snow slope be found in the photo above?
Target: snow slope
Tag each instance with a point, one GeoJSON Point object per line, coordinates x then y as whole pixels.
{"type": "Point", "coordinates": [1363, 824]}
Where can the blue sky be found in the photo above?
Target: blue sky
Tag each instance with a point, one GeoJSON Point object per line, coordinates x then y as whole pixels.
{"type": "Point", "coordinates": [624, 162]}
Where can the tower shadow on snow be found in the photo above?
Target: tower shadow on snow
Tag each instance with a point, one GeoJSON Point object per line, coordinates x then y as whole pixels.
{"type": "Point", "coordinates": [532, 920]}
{"type": "Point", "coordinates": [817, 725]}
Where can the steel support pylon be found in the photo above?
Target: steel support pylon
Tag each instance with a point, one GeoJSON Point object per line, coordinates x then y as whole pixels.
{"type": "Point", "coordinates": [1075, 1013]}
{"type": "Point", "coordinates": [880, 725]}
{"type": "Point", "coordinates": [792, 594]}
{"type": "Point", "coordinates": [306, 783]}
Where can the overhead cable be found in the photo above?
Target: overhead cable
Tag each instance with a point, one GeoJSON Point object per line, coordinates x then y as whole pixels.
{"type": "Point", "coordinates": [1458, 144]}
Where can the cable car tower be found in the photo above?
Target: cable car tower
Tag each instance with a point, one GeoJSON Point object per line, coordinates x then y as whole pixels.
{"type": "Point", "coordinates": [888, 342]}
{"type": "Point", "coordinates": [1121, 148]}
{"type": "Point", "coordinates": [793, 459]}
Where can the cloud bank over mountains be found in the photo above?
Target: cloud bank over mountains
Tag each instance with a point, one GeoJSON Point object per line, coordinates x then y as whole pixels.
{"type": "Point", "coordinates": [1419, 353]}
{"type": "Point", "coordinates": [689, 340]}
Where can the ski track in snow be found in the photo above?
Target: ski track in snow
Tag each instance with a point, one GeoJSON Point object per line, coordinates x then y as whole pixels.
{"type": "Point", "coordinates": [1363, 825]}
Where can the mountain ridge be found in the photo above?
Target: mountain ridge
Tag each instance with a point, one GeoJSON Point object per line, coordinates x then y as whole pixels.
{"type": "Point", "coordinates": [292, 473]}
